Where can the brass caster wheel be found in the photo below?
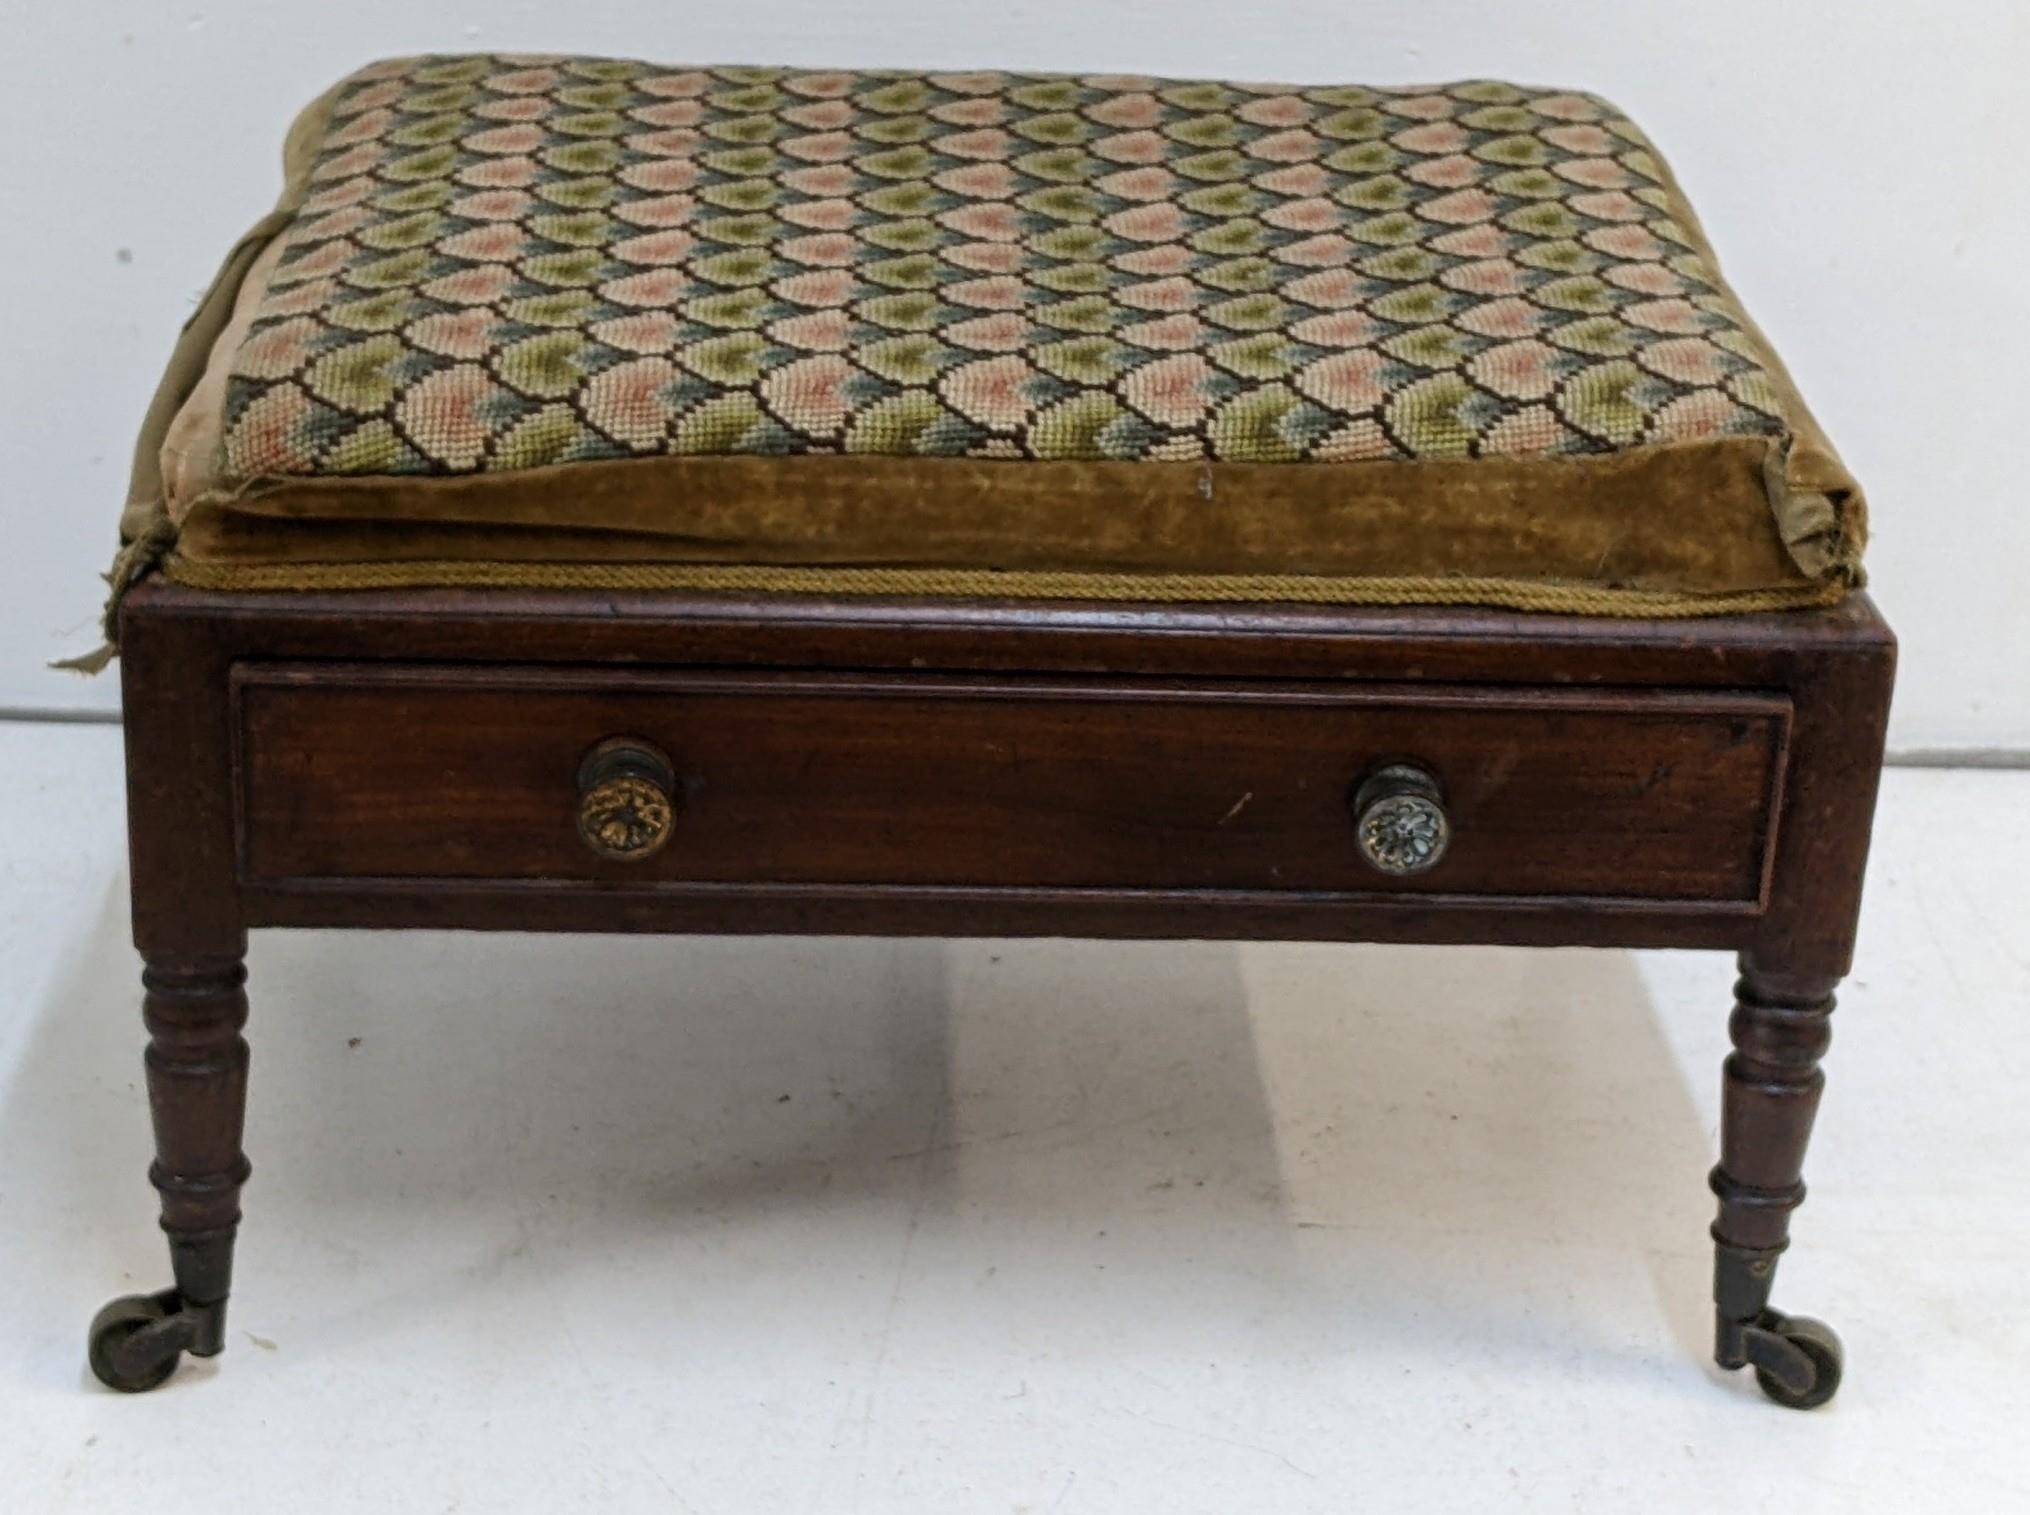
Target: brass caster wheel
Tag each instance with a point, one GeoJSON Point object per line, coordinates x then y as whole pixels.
{"type": "Point", "coordinates": [136, 1341]}
{"type": "Point", "coordinates": [1797, 1360]}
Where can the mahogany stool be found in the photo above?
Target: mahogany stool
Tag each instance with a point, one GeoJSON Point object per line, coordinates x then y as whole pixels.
{"type": "Point", "coordinates": [611, 498]}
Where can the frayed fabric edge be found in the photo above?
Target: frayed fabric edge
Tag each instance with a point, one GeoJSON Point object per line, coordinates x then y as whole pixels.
{"type": "Point", "coordinates": [138, 557]}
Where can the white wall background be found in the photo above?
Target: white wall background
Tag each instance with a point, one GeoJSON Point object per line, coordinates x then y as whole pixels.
{"type": "Point", "coordinates": [1860, 167]}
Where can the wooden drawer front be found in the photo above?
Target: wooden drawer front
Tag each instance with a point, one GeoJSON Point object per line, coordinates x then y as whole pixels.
{"type": "Point", "coordinates": [441, 772]}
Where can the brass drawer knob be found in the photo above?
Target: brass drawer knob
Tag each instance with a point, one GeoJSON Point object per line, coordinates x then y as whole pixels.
{"type": "Point", "coordinates": [627, 803]}
{"type": "Point", "coordinates": [1399, 820]}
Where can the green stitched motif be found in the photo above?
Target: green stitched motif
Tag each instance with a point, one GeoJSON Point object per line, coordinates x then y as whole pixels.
{"type": "Point", "coordinates": [503, 263]}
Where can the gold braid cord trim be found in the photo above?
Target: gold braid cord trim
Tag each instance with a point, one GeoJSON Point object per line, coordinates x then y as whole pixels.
{"type": "Point", "coordinates": [945, 583]}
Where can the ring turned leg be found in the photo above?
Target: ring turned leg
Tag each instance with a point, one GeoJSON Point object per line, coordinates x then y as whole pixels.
{"type": "Point", "coordinates": [197, 1094]}
{"type": "Point", "coordinates": [1780, 1028]}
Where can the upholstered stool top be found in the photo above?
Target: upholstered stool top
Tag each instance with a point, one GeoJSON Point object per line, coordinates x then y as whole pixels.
{"type": "Point", "coordinates": [577, 321]}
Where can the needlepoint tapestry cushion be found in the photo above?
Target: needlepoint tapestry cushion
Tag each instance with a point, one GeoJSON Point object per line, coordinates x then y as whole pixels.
{"type": "Point", "coordinates": [571, 320]}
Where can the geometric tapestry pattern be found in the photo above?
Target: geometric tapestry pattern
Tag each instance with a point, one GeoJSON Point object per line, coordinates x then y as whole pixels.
{"type": "Point", "coordinates": [506, 262]}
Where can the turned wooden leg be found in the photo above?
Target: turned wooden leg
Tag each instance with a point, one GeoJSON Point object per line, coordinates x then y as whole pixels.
{"type": "Point", "coordinates": [1781, 1027]}
{"type": "Point", "coordinates": [197, 1095]}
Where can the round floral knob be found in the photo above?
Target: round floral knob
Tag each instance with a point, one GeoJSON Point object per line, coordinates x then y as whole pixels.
{"type": "Point", "coordinates": [1399, 820]}
{"type": "Point", "coordinates": [627, 804]}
